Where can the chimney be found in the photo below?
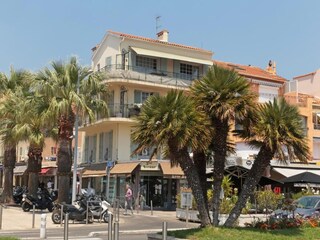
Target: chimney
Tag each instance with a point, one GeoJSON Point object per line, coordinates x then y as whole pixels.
{"type": "Point", "coordinates": [163, 35]}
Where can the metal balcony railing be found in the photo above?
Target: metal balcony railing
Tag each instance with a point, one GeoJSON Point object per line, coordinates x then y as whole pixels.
{"type": "Point", "coordinates": [316, 126]}
{"type": "Point", "coordinates": [149, 75]}
{"type": "Point", "coordinates": [124, 110]}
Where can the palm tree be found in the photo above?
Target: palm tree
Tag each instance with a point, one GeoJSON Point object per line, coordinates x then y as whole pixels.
{"type": "Point", "coordinates": [70, 89]}
{"type": "Point", "coordinates": [275, 128]}
{"type": "Point", "coordinates": [172, 123]}
{"type": "Point", "coordinates": [12, 88]}
{"type": "Point", "coordinates": [32, 127]}
{"type": "Point", "coordinates": [225, 97]}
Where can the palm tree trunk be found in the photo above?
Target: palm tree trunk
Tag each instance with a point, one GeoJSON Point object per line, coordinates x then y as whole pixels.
{"type": "Point", "coordinates": [200, 161]}
{"type": "Point", "coordinates": [8, 164]}
{"type": "Point", "coordinates": [261, 162]}
{"type": "Point", "coordinates": [219, 148]}
{"type": "Point", "coordinates": [64, 156]}
{"type": "Point", "coordinates": [195, 184]}
{"type": "Point", "coordinates": [218, 170]}
{"type": "Point", "coordinates": [34, 167]}
{"type": "Point", "coordinates": [189, 169]}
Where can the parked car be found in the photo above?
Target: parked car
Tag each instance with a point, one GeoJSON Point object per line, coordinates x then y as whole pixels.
{"type": "Point", "coordinates": [306, 207]}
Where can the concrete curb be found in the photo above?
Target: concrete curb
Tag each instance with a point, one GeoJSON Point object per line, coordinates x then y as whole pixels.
{"type": "Point", "coordinates": [142, 231]}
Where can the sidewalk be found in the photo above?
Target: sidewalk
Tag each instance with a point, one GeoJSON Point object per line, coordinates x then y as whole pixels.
{"type": "Point", "coordinates": [14, 218]}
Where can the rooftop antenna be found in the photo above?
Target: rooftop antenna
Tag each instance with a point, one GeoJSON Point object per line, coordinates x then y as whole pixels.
{"type": "Point", "coordinates": [158, 26]}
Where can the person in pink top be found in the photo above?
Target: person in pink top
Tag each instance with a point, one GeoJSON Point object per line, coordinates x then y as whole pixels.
{"type": "Point", "coordinates": [128, 200]}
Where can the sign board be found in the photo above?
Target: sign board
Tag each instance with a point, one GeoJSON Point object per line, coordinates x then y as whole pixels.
{"type": "Point", "coordinates": [306, 185]}
{"type": "Point", "coordinates": [186, 199]}
{"type": "Point", "coordinates": [149, 166]}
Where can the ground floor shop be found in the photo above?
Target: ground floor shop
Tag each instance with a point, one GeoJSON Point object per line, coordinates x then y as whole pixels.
{"type": "Point", "coordinates": [155, 183]}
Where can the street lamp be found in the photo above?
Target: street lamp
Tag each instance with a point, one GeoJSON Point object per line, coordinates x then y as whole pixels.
{"type": "Point", "coordinates": [75, 154]}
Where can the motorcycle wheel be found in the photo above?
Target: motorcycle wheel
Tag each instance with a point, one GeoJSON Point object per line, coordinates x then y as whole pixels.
{"type": "Point", "coordinates": [26, 207]}
{"type": "Point", "coordinates": [105, 217]}
{"type": "Point", "coordinates": [90, 217]}
{"type": "Point", "coordinates": [56, 216]}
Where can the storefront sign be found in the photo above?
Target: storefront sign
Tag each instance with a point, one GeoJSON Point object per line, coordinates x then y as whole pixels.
{"type": "Point", "coordinates": [306, 185]}
{"type": "Point", "coordinates": [149, 166]}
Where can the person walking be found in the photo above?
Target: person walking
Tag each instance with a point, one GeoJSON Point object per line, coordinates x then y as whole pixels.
{"type": "Point", "coordinates": [128, 200]}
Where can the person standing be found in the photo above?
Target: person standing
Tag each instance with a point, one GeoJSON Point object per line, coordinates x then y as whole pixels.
{"type": "Point", "coordinates": [128, 200]}
{"type": "Point", "coordinates": [50, 185]}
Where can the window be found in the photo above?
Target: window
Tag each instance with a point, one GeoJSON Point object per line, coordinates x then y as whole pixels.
{"type": "Point", "coordinates": [98, 66]}
{"type": "Point", "coordinates": [189, 71]}
{"type": "Point", "coordinates": [105, 146]}
{"type": "Point", "coordinates": [146, 62]}
{"type": "Point", "coordinates": [140, 97]}
{"type": "Point", "coordinates": [53, 150]}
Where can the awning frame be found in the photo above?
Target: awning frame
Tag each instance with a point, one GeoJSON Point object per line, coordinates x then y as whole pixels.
{"type": "Point", "coordinates": [151, 53]}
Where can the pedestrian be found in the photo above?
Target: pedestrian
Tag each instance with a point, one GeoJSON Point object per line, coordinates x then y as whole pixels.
{"type": "Point", "coordinates": [142, 201]}
{"type": "Point", "coordinates": [50, 185]}
{"type": "Point", "coordinates": [128, 200]}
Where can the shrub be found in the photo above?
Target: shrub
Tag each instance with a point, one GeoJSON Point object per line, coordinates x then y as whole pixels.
{"type": "Point", "coordinates": [268, 200]}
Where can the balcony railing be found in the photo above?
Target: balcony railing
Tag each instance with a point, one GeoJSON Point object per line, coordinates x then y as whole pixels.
{"type": "Point", "coordinates": [124, 110]}
{"type": "Point", "coordinates": [149, 75]}
{"type": "Point", "coordinates": [316, 126]}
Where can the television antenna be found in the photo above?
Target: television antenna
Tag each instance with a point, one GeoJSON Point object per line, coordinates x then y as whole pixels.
{"type": "Point", "coordinates": [158, 26]}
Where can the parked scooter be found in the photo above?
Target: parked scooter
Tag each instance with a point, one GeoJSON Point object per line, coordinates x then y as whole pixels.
{"type": "Point", "coordinates": [41, 201]}
{"type": "Point", "coordinates": [75, 213]}
{"type": "Point", "coordinates": [99, 207]}
{"type": "Point", "coordinates": [18, 194]}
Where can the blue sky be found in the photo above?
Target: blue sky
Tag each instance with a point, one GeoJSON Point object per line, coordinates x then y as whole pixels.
{"type": "Point", "coordinates": [35, 32]}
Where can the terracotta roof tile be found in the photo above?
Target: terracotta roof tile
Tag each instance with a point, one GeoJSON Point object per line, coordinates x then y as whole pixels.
{"type": "Point", "coordinates": [251, 71]}
{"type": "Point", "coordinates": [157, 41]}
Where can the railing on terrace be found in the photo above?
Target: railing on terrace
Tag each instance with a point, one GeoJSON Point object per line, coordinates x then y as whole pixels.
{"type": "Point", "coordinates": [149, 75]}
{"type": "Point", "coordinates": [301, 101]}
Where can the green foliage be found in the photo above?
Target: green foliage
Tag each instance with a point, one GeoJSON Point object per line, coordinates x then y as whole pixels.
{"type": "Point", "coordinates": [219, 233]}
{"type": "Point", "coordinates": [268, 199]}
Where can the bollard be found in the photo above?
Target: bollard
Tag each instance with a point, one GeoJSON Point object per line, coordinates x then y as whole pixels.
{"type": "Point", "coordinates": [61, 216]}
{"type": "Point", "coordinates": [87, 212]}
{"type": "Point", "coordinates": [33, 215]}
{"type": "Point", "coordinates": [164, 231]}
{"type": "Point", "coordinates": [187, 217]}
{"type": "Point", "coordinates": [116, 231]}
{"type": "Point", "coordinates": [151, 205]}
{"type": "Point", "coordinates": [43, 224]}
{"type": "Point", "coordinates": [118, 212]}
{"type": "Point", "coordinates": [110, 226]}
{"type": "Point", "coordinates": [0, 216]}
{"type": "Point", "coordinates": [66, 227]}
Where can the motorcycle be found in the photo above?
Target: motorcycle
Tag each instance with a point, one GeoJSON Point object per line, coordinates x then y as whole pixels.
{"type": "Point", "coordinates": [18, 194]}
{"type": "Point", "coordinates": [41, 201]}
{"type": "Point", "coordinates": [75, 213]}
{"type": "Point", "coordinates": [99, 208]}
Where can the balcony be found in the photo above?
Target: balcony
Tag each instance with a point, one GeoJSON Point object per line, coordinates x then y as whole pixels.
{"type": "Point", "coordinates": [149, 75]}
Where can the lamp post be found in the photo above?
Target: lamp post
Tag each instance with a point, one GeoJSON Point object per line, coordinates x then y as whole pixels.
{"type": "Point", "coordinates": [75, 154]}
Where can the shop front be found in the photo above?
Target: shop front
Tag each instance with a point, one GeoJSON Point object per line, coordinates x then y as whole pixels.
{"type": "Point", "coordinates": [157, 181]}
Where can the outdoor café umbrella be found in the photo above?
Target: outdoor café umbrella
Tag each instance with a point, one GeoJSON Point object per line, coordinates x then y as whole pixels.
{"type": "Point", "coordinates": [304, 177]}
